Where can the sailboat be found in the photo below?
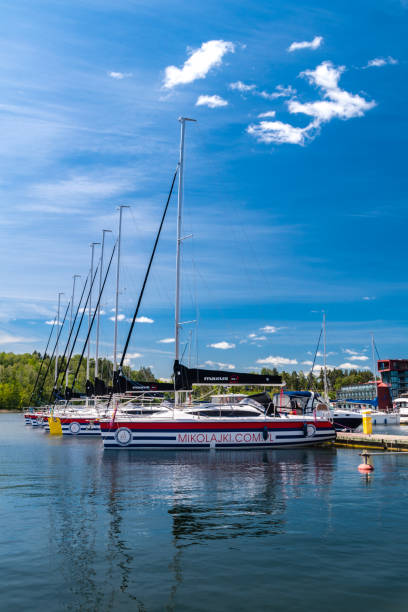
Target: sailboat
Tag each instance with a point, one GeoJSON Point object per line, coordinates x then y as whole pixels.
{"type": "Point", "coordinates": [185, 426]}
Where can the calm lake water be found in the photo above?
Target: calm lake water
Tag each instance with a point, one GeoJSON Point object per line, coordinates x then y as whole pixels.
{"type": "Point", "coordinates": [227, 530]}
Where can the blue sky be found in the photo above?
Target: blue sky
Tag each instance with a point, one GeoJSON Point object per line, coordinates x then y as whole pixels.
{"type": "Point", "coordinates": [295, 211]}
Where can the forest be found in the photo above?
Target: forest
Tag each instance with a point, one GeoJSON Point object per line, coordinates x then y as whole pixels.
{"type": "Point", "coordinates": [19, 372]}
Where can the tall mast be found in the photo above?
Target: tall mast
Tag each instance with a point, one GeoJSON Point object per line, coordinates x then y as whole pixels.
{"type": "Point", "coordinates": [70, 320]}
{"type": "Point", "coordinates": [326, 395]}
{"type": "Point", "coordinates": [374, 365]}
{"type": "Point", "coordinates": [179, 239]}
{"type": "Point", "coordinates": [105, 231]}
{"type": "Point", "coordinates": [56, 346]}
{"type": "Point", "coordinates": [115, 341]}
{"type": "Point", "coordinates": [92, 245]}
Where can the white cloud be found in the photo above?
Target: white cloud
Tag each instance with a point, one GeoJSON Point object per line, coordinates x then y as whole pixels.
{"type": "Point", "coordinates": [267, 114]}
{"type": "Point", "coordinates": [240, 86]}
{"type": "Point", "coordinates": [121, 317]}
{"type": "Point", "coordinates": [350, 352]}
{"type": "Point", "coordinates": [277, 361]}
{"type": "Point", "coordinates": [359, 358]}
{"type": "Point", "coordinates": [308, 363]}
{"type": "Point", "coordinates": [313, 44]}
{"type": "Point", "coordinates": [352, 366]}
{"type": "Point", "coordinates": [269, 329]}
{"type": "Point", "coordinates": [52, 323]}
{"type": "Point", "coordinates": [144, 320]}
{"type": "Point", "coordinates": [199, 63]}
{"type": "Point", "coordinates": [119, 75]}
{"type": "Point", "coordinates": [278, 132]}
{"type": "Point", "coordinates": [368, 298]}
{"type": "Point", "coordinates": [223, 345]}
{"type": "Point", "coordinates": [381, 61]}
{"type": "Point", "coordinates": [134, 355]}
{"type": "Point", "coordinates": [221, 366]}
{"type": "Point", "coordinates": [6, 338]}
{"type": "Point", "coordinates": [318, 368]}
{"type": "Point", "coordinates": [337, 102]}
{"type": "Point", "coordinates": [166, 340]}
{"type": "Point", "coordinates": [211, 101]}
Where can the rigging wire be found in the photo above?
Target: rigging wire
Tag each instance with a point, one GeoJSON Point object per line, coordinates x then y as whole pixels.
{"type": "Point", "coordinates": [95, 311]}
{"type": "Point", "coordinates": [68, 341]}
{"type": "Point", "coordinates": [55, 346]}
{"type": "Point", "coordinates": [42, 361]}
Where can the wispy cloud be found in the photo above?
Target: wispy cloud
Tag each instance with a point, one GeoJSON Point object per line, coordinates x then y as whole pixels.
{"type": "Point", "coordinates": [166, 341]}
{"type": "Point", "coordinates": [121, 317]}
{"type": "Point", "coordinates": [51, 322]}
{"type": "Point", "coordinates": [313, 44]}
{"type": "Point", "coordinates": [377, 62]}
{"type": "Point", "coordinates": [211, 101]}
{"type": "Point", "coordinates": [144, 320]}
{"type": "Point", "coordinates": [368, 298]}
{"type": "Point", "coordinates": [359, 358]}
{"type": "Point", "coordinates": [350, 352]}
{"type": "Point", "coordinates": [6, 338]}
{"type": "Point", "coordinates": [267, 114]}
{"type": "Point", "coordinates": [279, 132]}
{"type": "Point", "coordinates": [280, 90]}
{"type": "Point", "coordinates": [308, 363]}
{"type": "Point", "coordinates": [242, 87]}
{"type": "Point", "coordinates": [335, 103]}
{"type": "Point", "coordinates": [352, 366]}
{"type": "Point", "coordinates": [199, 63]}
{"type": "Point", "coordinates": [119, 75]}
{"type": "Point", "coordinates": [221, 366]}
{"type": "Point", "coordinates": [277, 361]}
{"type": "Point", "coordinates": [269, 329]}
{"type": "Point", "coordinates": [223, 345]}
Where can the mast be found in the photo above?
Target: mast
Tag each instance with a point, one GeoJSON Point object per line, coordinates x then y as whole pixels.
{"type": "Point", "coordinates": [182, 121]}
{"type": "Point", "coordinates": [326, 395]}
{"type": "Point", "coordinates": [56, 347]}
{"type": "Point", "coordinates": [374, 365]}
{"type": "Point", "coordinates": [105, 231]}
{"type": "Point", "coordinates": [70, 321]}
{"type": "Point", "coordinates": [115, 340]}
{"type": "Point", "coordinates": [92, 245]}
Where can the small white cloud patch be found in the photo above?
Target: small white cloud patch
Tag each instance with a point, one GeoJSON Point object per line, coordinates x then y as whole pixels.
{"type": "Point", "coordinates": [267, 114]}
{"type": "Point", "coordinates": [119, 75]}
{"type": "Point", "coordinates": [121, 317]}
{"type": "Point", "coordinates": [223, 345]}
{"type": "Point", "coordinates": [144, 320]}
{"type": "Point", "coordinates": [242, 87]}
{"type": "Point", "coordinates": [277, 361]}
{"type": "Point", "coordinates": [377, 62]}
{"type": "Point", "coordinates": [221, 366]}
{"type": "Point", "coordinates": [211, 101]}
{"type": "Point", "coordinates": [199, 63]}
{"type": "Point", "coordinates": [166, 340]}
{"type": "Point", "coordinates": [313, 44]}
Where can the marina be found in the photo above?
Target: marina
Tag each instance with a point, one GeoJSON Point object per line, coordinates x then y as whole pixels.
{"type": "Point", "coordinates": [126, 530]}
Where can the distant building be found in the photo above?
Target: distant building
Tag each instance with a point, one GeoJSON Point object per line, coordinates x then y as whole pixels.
{"type": "Point", "coordinates": [394, 372]}
{"type": "Point", "coordinates": [364, 391]}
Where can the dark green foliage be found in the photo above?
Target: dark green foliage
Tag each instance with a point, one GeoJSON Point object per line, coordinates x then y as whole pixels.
{"type": "Point", "coordinates": [19, 372]}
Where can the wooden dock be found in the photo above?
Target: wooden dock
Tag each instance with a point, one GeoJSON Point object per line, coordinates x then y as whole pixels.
{"type": "Point", "coordinates": [385, 442]}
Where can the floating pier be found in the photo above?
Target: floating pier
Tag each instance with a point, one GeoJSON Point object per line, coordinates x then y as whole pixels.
{"type": "Point", "coordinates": [385, 442]}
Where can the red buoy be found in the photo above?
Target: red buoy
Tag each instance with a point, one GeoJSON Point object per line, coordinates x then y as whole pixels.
{"type": "Point", "coordinates": [365, 467]}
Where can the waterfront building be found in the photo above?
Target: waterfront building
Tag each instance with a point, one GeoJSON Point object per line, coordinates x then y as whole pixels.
{"type": "Point", "coordinates": [394, 372]}
{"type": "Point", "coordinates": [364, 391]}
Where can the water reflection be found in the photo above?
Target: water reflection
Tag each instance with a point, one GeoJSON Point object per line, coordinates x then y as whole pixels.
{"type": "Point", "coordinates": [117, 513]}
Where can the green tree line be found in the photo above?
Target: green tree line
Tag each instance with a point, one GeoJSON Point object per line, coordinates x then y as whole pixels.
{"type": "Point", "coordinates": [18, 373]}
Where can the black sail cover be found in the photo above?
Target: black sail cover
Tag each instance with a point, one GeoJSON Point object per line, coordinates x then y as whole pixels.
{"type": "Point", "coordinates": [121, 384]}
{"type": "Point", "coordinates": [185, 378]}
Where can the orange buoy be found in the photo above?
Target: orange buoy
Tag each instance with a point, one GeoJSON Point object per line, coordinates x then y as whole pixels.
{"type": "Point", "coordinates": [365, 467]}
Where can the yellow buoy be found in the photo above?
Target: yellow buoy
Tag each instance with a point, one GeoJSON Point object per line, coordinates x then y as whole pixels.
{"type": "Point", "coordinates": [55, 426]}
{"type": "Point", "coordinates": [367, 421]}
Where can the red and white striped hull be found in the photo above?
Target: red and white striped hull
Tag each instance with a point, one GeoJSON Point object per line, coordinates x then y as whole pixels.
{"type": "Point", "coordinates": [79, 426]}
{"type": "Point", "coordinates": [220, 433]}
